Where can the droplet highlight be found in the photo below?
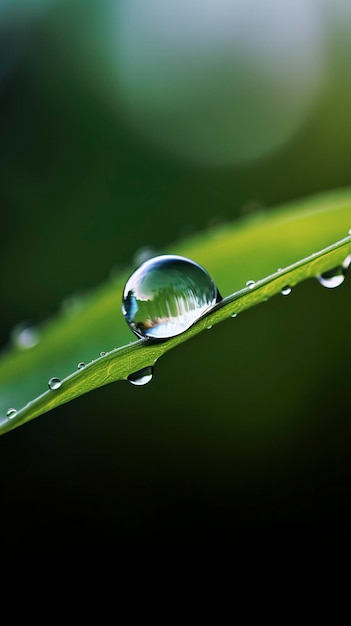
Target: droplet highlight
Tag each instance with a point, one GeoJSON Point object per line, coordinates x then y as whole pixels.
{"type": "Point", "coordinates": [333, 278]}
{"type": "Point", "coordinates": [166, 295]}
{"type": "Point", "coordinates": [250, 284]}
{"type": "Point", "coordinates": [286, 291]}
{"type": "Point", "coordinates": [347, 262]}
{"type": "Point", "coordinates": [141, 377]}
{"type": "Point", "coordinates": [234, 315]}
{"type": "Point", "coordinates": [11, 413]}
{"type": "Point", "coordinates": [81, 365]}
{"type": "Point", "coordinates": [54, 383]}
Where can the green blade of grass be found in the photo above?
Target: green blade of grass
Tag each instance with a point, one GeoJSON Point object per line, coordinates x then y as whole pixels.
{"type": "Point", "coordinates": [120, 363]}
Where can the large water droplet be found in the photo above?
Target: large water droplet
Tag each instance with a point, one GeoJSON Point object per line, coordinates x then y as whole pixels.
{"type": "Point", "coordinates": [54, 383]}
{"type": "Point", "coordinates": [286, 291]}
{"type": "Point", "coordinates": [166, 295]}
{"type": "Point", "coordinates": [332, 278]}
{"type": "Point", "coordinates": [11, 413]}
{"type": "Point", "coordinates": [142, 377]}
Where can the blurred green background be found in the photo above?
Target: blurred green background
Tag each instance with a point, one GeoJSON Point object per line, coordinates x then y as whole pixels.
{"type": "Point", "coordinates": [128, 124]}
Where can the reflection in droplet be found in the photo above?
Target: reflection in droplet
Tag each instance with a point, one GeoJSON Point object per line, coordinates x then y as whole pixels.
{"type": "Point", "coordinates": [166, 295]}
{"type": "Point", "coordinates": [286, 291]}
{"type": "Point", "coordinates": [332, 278]}
{"type": "Point", "coordinates": [250, 284]}
{"type": "Point", "coordinates": [81, 365]}
{"type": "Point", "coordinates": [142, 377]}
{"type": "Point", "coordinates": [54, 383]}
{"type": "Point", "coordinates": [11, 413]}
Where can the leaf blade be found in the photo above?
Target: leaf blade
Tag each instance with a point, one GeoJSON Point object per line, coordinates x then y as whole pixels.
{"type": "Point", "coordinates": [118, 364]}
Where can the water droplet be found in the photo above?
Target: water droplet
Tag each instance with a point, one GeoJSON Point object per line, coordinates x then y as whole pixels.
{"type": "Point", "coordinates": [350, 231]}
{"type": "Point", "coordinates": [234, 315]}
{"type": "Point", "coordinates": [347, 262]}
{"type": "Point", "coordinates": [11, 413]}
{"type": "Point", "coordinates": [250, 284]}
{"type": "Point", "coordinates": [103, 353]}
{"type": "Point", "coordinates": [143, 254]}
{"type": "Point", "coordinates": [142, 377]}
{"type": "Point", "coordinates": [73, 304]}
{"type": "Point", "coordinates": [286, 291]}
{"type": "Point", "coordinates": [166, 295]}
{"type": "Point", "coordinates": [332, 278]}
{"type": "Point", "coordinates": [81, 365]}
{"type": "Point", "coordinates": [54, 383]}
{"type": "Point", "coordinates": [24, 336]}
{"type": "Point", "coordinates": [209, 327]}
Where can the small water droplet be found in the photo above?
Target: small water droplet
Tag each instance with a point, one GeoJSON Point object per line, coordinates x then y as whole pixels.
{"type": "Point", "coordinates": [73, 304]}
{"type": "Point", "coordinates": [54, 383]}
{"type": "Point", "coordinates": [350, 231]}
{"type": "Point", "coordinates": [286, 291]}
{"type": "Point", "coordinates": [166, 295]}
{"type": "Point", "coordinates": [81, 365]}
{"type": "Point", "coordinates": [103, 353]}
{"type": "Point", "coordinates": [347, 262]}
{"type": "Point", "coordinates": [234, 315]}
{"type": "Point", "coordinates": [143, 254]}
{"type": "Point", "coordinates": [11, 413]}
{"type": "Point", "coordinates": [24, 336]}
{"type": "Point", "coordinates": [209, 327]}
{"type": "Point", "coordinates": [142, 377]}
{"type": "Point", "coordinates": [332, 278]}
{"type": "Point", "coordinates": [250, 284]}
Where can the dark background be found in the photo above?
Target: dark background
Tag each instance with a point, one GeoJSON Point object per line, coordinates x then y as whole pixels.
{"type": "Point", "coordinates": [256, 443]}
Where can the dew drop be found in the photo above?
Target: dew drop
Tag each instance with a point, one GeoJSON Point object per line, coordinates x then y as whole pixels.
{"type": "Point", "coordinates": [250, 284]}
{"type": "Point", "coordinates": [143, 254]}
{"type": "Point", "coordinates": [332, 278]}
{"type": "Point", "coordinates": [24, 336]}
{"type": "Point", "coordinates": [347, 262]}
{"type": "Point", "coordinates": [54, 383]}
{"type": "Point", "coordinates": [73, 304]}
{"type": "Point", "coordinates": [11, 413]}
{"type": "Point", "coordinates": [166, 295]}
{"type": "Point", "coordinates": [142, 377]}
{"type": "Point", "coordinates": [286, 291]}
{"type": "Point", "coordinates": [234, 315]}
{"type": "Point", "coordinates": [81, 365]}
{"type": "Point", "coordinates": [103, 353]}
{"type": "Point", "coordinates": [209, 327]}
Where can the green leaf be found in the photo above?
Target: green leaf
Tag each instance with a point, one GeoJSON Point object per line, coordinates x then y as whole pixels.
{"type": "Point", "coordinates": [302, 240]}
